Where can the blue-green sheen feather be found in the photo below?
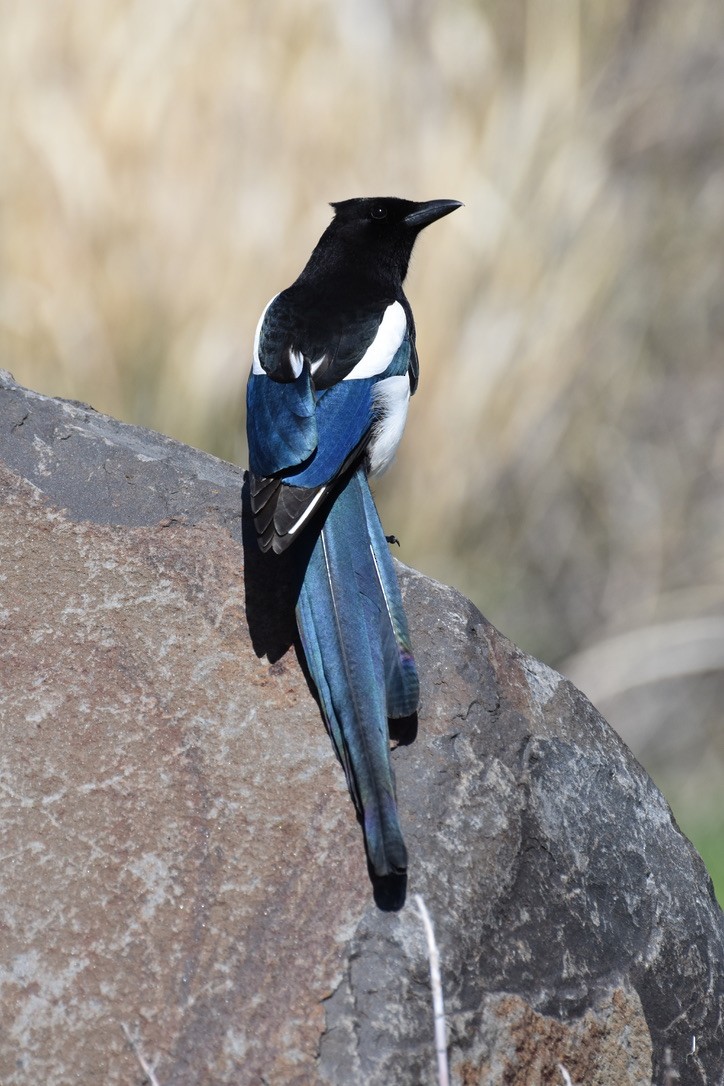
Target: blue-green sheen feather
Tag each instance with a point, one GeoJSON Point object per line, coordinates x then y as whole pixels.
{"type": "Point", "coordinates": [344, 415]}
{"type": "Point", "coordinates": [281, 423]}
{"type": "Point", "coordinates": [345, 627]}
{"type": "Point", "coordinates": [401, 680]}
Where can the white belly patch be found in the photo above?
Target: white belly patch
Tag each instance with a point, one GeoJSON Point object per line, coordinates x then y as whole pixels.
{"type": "Point", "coordinates": [391, 399]}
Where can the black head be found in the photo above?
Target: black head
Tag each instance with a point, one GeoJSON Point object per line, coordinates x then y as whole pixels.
{"type": "Point", "coordinates": [389, 213]}
{"type": "Point", "coordinates": [375, 234]}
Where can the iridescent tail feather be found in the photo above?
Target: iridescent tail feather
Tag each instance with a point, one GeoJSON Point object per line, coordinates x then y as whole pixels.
{"type": "Point", "coordinates": [357, 645]}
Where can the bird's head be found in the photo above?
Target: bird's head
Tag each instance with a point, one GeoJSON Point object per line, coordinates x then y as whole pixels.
{"type": "Point", "coordinates": [378, 232]}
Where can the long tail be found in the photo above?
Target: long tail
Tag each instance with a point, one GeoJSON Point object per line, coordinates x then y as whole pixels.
{"type": "Point", "coordinates": [355, 638]}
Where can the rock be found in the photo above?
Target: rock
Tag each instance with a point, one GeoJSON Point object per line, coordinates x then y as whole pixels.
{"type": "Point", "coordinates": [180, 854]}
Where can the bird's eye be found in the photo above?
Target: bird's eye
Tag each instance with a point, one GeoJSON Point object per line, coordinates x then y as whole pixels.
{"type": "Point", "coordinates": [378, 211]}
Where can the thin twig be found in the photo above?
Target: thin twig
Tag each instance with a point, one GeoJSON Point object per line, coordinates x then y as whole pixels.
{"type": "Point", "coordinates": [145, 1067]}
{"type": "Point", "coordinates": [443, 1076]}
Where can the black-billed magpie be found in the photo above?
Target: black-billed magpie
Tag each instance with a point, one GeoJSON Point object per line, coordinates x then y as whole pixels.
{"type": "Point", "coordinates": [334, 367]}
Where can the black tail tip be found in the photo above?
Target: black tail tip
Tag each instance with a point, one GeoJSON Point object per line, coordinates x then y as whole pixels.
{"type": "Point", "coordinates": [389, 891]}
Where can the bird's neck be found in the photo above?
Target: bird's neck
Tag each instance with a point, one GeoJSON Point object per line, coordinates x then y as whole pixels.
{"type": "Point", "coordinates": [342, 270]}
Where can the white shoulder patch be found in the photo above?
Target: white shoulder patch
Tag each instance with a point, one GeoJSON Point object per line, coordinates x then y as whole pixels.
{"type": "Point", "coordinates": [385, 345]}
{"type": "Point", "coordinates": [256, 366]}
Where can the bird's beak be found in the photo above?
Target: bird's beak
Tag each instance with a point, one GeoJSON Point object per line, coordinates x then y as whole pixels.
{"type": "Point", "coordinates": [428, 212]}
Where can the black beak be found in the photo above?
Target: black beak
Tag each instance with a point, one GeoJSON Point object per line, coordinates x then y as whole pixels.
{"type": "Point", "coordinates": [428, 212]}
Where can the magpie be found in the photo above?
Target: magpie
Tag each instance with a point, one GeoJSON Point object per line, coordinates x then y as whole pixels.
{"type": "Point", "coordinates": [334, 366]}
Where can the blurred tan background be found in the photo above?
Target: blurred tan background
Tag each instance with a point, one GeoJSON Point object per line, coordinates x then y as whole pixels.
{"type": "Point", "coordinates": [165, 167]}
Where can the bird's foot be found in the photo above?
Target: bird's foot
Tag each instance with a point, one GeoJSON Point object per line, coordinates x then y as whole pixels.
{"type": "Point", "coordinates": [392, 539]}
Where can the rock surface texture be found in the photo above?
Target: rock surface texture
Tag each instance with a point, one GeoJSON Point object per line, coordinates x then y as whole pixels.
{"type": "Point", "coordinates": [180, 854]}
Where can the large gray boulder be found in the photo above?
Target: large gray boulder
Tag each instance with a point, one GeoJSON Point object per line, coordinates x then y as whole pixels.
{"type": "Point", "coordinates": [180, 854]}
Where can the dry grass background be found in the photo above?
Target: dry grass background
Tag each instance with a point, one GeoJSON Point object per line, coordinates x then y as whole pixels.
{"type": "Point", "coordinates": [165, 167]}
